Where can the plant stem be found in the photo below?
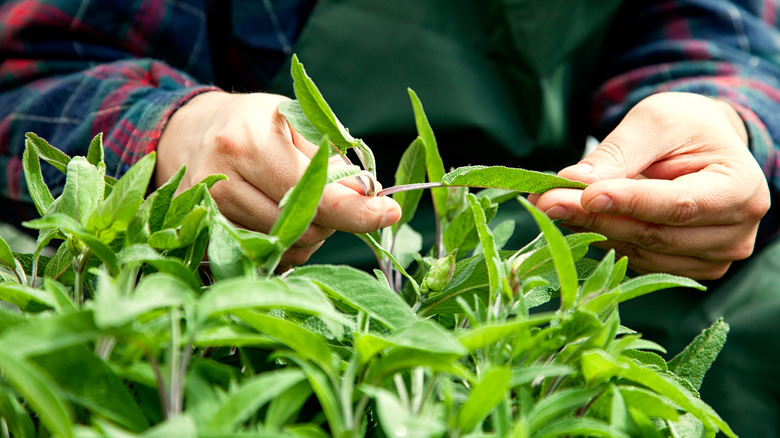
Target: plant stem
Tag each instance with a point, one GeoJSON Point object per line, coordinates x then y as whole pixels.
{"type": "Point", "coordinates": [174, 365]}
{"type": "Point", "coordinates": [78, 291]}
{"type": "Point", "coordinates": [407, 187]}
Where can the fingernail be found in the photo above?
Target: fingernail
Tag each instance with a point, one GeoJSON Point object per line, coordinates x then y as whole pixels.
{"type": "Point", "coordinates": [581, 168]}
{"type": "Point", "coordinates": [558, 212]}
{"type": "Point", "coordinates": [390, 218]}
{"type": "Point", "coordinates": [600, 204]}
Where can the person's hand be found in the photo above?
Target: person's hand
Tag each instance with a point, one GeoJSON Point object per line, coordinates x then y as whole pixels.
{"type": "Point", "coordinates": [673, 187]}
{"type": "Point", "coordinates": [244, 137]}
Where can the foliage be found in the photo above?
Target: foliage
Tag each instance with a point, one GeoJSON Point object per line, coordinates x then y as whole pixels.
{"type": "Point", "coordinates": [156, 317]}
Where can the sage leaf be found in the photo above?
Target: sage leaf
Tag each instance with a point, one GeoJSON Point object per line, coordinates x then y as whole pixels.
{"type": "Point", "coordinates": [83, 189]}
{"type": "Point", "coordinates": [484, 396]}
{"type": "Point", "coordinates": [39, 192]}
{"type": "Point", "coordinates": [318, 111]}
{"type": "Point", "coordinates": [648, 283]}
{"type": "Point", "coordinates": [95, 154]}
{"type": "Point", "coordinates": [292, 111]}
{"type": "Point", "coordinates": [6, 255]}
{"type": "Point", "coordinates": [40, 392]}
{"type": "Point", "coordinates": [507, 178]}
{"type": "Point", "coordinates": [562, 256]}
{"type": "Point", "coordinates": [49, 153]}
{"type": "Point", "coordinates": [397, 421]}
{"type": "Point", "coordinates": [559, 404]}
{"type": "Point", "coordinates": [252, 395]}
{"type": "Point", "coordinates": [693, 362]}
{"type": "Point", "coordinates": [411, 170]}
{"type": "Point", "coordinates": [121, 206]}
{"type": "Point", "coordinates": [304, 343]}
{"type": "Point", "coordinates": [495, 267]}
{"type": "Point", "coordinates": [581, 426]}
{"type": "Point", "coordinates": [160, 200]}
{"type": "Point", "coordinates": [361, 291]}
{"type": "Point", "coordinates": [301, 207]}
{"type": "Point", "coordinates": [433, 162]}
{"type": "Point", "coordinates": [90, 382]}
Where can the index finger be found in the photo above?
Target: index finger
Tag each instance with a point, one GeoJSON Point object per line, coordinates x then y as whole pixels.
{"type": "Point", "coordinates": [344, 209]}
{"type": "Point", "coordinates": [698, 199]}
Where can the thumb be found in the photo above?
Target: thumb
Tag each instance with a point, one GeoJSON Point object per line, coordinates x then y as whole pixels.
{"type": "Point", "coordinates": [626, 152]}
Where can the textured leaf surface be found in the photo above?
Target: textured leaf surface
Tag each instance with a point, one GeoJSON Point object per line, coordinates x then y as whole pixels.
{"type": "Point", "coordinates": [411, 170]}
{"type": "Point", "coordinates": [696, 359]}
{"type": "Point", "coordinates": [507, 178]}
{"type": "Point", "coordinates": [360, 291]}
{"type": "Point", "coordinates": [302, 201]}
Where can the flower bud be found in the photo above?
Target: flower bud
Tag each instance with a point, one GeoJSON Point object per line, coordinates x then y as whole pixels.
{"type": "Point", "coordinates": [440, 274]}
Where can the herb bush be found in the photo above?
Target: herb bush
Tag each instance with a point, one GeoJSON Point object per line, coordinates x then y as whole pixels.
{"type": "Point", "coordinates": [128, 331]}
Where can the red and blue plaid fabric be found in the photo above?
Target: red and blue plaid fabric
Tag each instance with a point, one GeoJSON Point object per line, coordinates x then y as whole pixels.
{"type": "Point", "coordinates": [72, 68]}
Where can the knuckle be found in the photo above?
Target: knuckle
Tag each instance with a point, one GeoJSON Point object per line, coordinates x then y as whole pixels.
{"type": "Point", "coordinates": [297, 256]}
{"type": "Point", "coordinates": [314, 235]}
{"type": "Point", "coordinates": [684, 210]}
{"type": "Point", "coordinates": [229, 142]}
{"type": "Point", "coordinates": [611, 150]}
{"type": "Point", "coordinates": [651, 236]}
{"type": "Point", "coordinates": [740, 250]}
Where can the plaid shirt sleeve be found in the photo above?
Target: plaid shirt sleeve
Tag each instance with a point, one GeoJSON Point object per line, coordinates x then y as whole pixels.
{"type": "Point", "coordinates": [70, 69]}
{"type": "Point", "coordinates": [724, 49]}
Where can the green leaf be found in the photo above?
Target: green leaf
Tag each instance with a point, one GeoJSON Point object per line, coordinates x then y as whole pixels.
{"type": "Point", "coordinates": [180, 426]}
{"type": "Point", "coordinates": [693, 362]}
{"type": "Point", "coordinates": [559, 404]}
{"type": "Point", "coordinates": [286, 406]}
{"type": "Point", "coordinates": [160, 200]}
{"type": "Point", "coordinates": [59, 295]}
{"type": "Point", "coordinates": [507, 178]}
{"type": "Point", "coordinates": [143, 253]}
{"type": "Point", "coordinates": [491, 333]}
{"type": "Point", "coordinates": [408, 243]}
{"type": "Point", "coordinates": [562, 257]}
{"type": "Point", "coordinates": [396, 421]}
{"type": "Point", "coordinates": [305, 344]}
{"type": "Point", "coordinates": [361, 291]}
{"type": "Point", "coordinates": [83, 189]}
{"type": "Point", "coordinates": [120, 207]}
{"type": "Point", "coordinates": [154, 291]}
{"type": "Point", "coordinates": [302, 202]}
{"type": "Point", "coordinates": [40, 392]}
{"type": "Point", "coordinates": [326, 396]}
{"type": "Point", "coordinates": [27, 298]}
{"type": "Point", "coordinates": [39, 192]}
{"type": "Point", "coordinates": [433, 162]}
{"type": "Point", "coordinates": [226, 256]}
{"type": "Point", "coordinates": [649, 402]}
{"type": "Point", "coordinates": [253, 394]}
{"type": "Point", "coordinates": [169, 238]}
{"type": "Point", "coordinates": [185, 201]}
{"type": "Point", "coordinates": [317, 110]}
{"type": "Point", "coordinates": [598, 364]}
{"type": "Point", "coordinates": [296, 295]}
{"type": "Point", "coordinates": [95, 154]}
{"type": "Point", "coordinates": [231, 336]}
{"type": "Point", "coordinates": [428, 336]}
{"type": "Point", "coordinates": [678, 394]}
{"type": "Point", "coordinates": [495, 267]}
{"type": "Point", "coordinates": [50, 334]}
{"type": "Point", "coordinates": [599, 279]}
{"type": "Point", "coordinates": [462, 232]}
{"type": "Point", "coordinates": [582, 426]}
{"type": "Point", "coordinates": [339, 172]}
{"type": "Point", "coordinates": [6, 255]}
{"type": "Point", "coordinates": [292, 111]}
{"type": "Point", "coordinates": [18, 421]}
{"type": "Point", "coordinates": [52, 155]}
{"type": "Point", "coordinates": [648, 283]}
{"type": "Point", "coordinates": [411, 170]}
{"type": "Point", "coordinates": [484, 396]}
{"type": "Point", "coordinates": [88, 381]}
{"type": "Point", "coordinates": [528, 374]}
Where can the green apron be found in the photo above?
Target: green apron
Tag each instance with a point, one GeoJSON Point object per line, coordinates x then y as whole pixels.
{"type": "Point", "coordinates": [507, 82]}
